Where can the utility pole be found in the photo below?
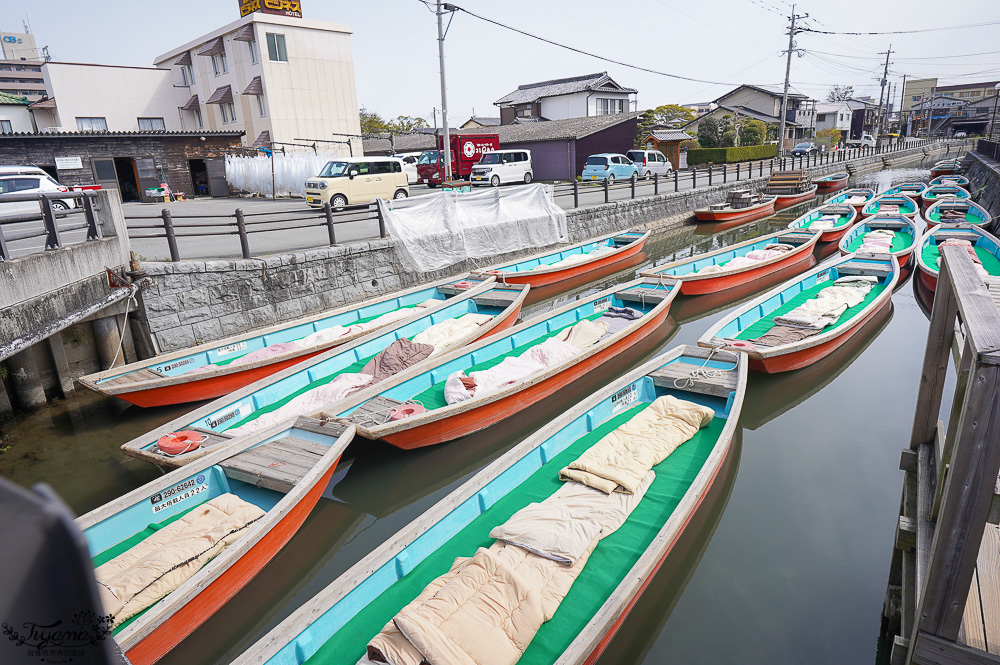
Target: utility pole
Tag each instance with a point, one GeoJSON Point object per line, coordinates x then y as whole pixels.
{"type": "Point", "coordinates": [442, 7]}
{"type": "Point", "coordinates": [881, 97]}
{"type": "Point", "coordinates": [902, 100]}
{"type": "Point", "coordinates": [788, 72]}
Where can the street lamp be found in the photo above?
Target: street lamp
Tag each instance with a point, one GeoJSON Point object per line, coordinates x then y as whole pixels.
{"type": "Point", "coordinates": [993, 118]}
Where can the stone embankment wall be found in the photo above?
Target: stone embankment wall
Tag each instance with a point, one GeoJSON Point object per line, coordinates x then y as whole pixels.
{"type": "Point", "coordinates": [192, 302]}
{"type": "Point", "coordinates": [985, 176]}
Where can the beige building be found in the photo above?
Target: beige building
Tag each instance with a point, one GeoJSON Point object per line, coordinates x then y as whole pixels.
{"type": "Point", "coordinates": [87, 97]}
{"type": "Point", "coordinates": [280, 79]}
{"type": "Point", "coordinates": [20, 66]}
{"type": "Point", "coordinates": [917, 89]}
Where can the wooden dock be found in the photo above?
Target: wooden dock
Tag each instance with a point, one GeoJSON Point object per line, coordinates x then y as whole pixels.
{"type": "Point", "coordinates": [943, 600]}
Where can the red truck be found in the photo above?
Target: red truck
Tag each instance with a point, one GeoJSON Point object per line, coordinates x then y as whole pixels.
{"type": "Point", "coordinates": [466, 150]}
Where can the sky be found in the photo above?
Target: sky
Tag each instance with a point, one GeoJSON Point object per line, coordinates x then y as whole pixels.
{"type": "Point", "coordinates": [722, 42]}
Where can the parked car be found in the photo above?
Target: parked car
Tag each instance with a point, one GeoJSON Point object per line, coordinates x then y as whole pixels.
{"type": "Point", "coordinates": [650, 162]}
{"type": "Point", "coordinates": [500, 166]}
{"type": "Point", "coordinates": [805, 148]}
{"type": "Point", "coordinates": [357, 180]}
{"type": "Point", "coordinates": [866, 140]}
{"type": "Point", "coordinates": [30, 183]}
{"type": "Point", "coordinates": [960, 135]}
{"type": "Point", "coordinates": [609, 166]}
{"type": "Point", "coordinates": [409, 160]}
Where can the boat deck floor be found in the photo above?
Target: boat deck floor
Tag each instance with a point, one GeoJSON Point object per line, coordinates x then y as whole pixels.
{"type": "Point", "coordinates": [981, 621]}
{"type": "Point", "coordinates": [280, 464]}
{"type": "Point", "coordinates": [138, 376]}
{"type": "Point", "coordinates": [718, 383]}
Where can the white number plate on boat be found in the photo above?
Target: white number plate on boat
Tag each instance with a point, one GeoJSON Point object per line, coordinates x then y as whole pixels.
{"type": "Point", "coordinates": [179, 492]}
{"type": "Point", "coordinates": [823, 277]}
{"type": "Point", "coordinates": [624, 398]}
{"type": "Point", "coordinates": [232, 348]}
{"type": "Point", "coordinates": [603, 304]}
{"type": "Point", "coordinates": [241, 409]}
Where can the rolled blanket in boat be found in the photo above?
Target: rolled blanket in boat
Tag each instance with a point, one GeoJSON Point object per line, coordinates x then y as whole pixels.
{"type": "Point", "coordinates": [824, 222]}
{"type": "Point", "coordinates": [620, 460]}
{"type": "Point", "coordinates": [709, 270]}
{"type": "Point", "coordinates": [586, 333]}
{"type": "Point", "coordinates": [150, 570]}
{"type": "Point", "coordinates": [267, 352]}
{"type": "Point", "coordinates": [447, 333]}
{"type": "Point", "coordinates": [563, 526]}
{"type": "Point", "coordinates": [573, 259]}
{"type": "Point", "coordinates": [779, 335]}
{"type": "Point", "coordinates": [977, 263]}
{"type": "Point", "coordinates": [828, 306]}
{"type": "Point", "coordinates": [396, 357]}
{"type": "Point", "coordinates": [877, 242]}
{"type": "Point", "coordinates": [953, 215]}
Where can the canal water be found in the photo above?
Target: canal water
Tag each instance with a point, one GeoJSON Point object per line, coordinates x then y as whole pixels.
{"type": "Point", "coordinates": [786, 561]}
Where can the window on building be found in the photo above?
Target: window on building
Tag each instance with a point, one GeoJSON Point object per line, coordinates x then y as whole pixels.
{"type": "Point", "coordinates": [187, 73]}
{"type": "Point", "coordinates": [228, 110]}
{"type": "Point", "coordinates": [609, 106]}
{"type": "Point", "coordinates": [219, 63]}
{"type": "Point", "coordinates": [914, 98]}
{"type": "Point", "coordinates": [149, 124]}
{"type": "Point", "coordinates": [5, 127]}
{"type": "Point", "coordinates": [92, 124]}
{"type": "Point", "coordinates": [261, 107]}
{"type": "Point", "coordinates": [276, 48]}
{"type": "Point", "coordinates": [254, 52]}
{"type": "Point", "coordinates": [197, 118]}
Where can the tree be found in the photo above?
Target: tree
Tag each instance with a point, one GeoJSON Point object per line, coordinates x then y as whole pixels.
{"type": "Point", "coordinates": [752, 131]}
{"type": "Point", "coordinates": [371, 123]}
{"type": "Point", "coordinates": [405, 123]}
{"type": "Point", "coordinates": [710, 133]}
{"type": "Point", "coordinates": [661, 115]}
{"type": "Point", "coordinates": [839, 93]}
{"type": "Point", "coordinates": [830, 136]}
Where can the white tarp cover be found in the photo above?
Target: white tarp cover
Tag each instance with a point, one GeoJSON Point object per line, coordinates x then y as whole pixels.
{"type": "Point", "coordinates": [291, 170]}
{"type": "Point", "coordinates": [438, 230]}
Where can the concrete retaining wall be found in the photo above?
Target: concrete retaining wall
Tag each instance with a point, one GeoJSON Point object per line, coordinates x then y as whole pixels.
{"type": "Point", "coordinates": [192, 302]}
{"type": "Point", "coordinates": [985, 176]}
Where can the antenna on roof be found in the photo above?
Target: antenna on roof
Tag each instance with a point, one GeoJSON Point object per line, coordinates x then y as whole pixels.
{"type": "Point", "coordinates": [45, 54]}
{"type": "Point", "coordinates": [27, 26]}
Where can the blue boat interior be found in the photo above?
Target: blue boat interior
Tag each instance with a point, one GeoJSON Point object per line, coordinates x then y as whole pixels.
{"type": "Point", "coordinates": [226, 354]}
{"type": "Point", "coordinates": [240, 410]}
{"type": "Point", "coordinates": [510, 344]}
{"type": "Point", "coordinates": [764, 309]}
{"type": "Point", "coordinates": [341, 632]}
{"type": "Point", "coordinates": [616, 241]}
{"type": "Point", "coordinates": [843, 197]}
{"type": "Point", "coordinates": [985, 247]}
{"type": "Point", "coordinates": [886, 199]}
{"type": "Point", "coordinates": [843, 215]}
{"type": "Point", "coordinates": [698, 262]}
{"type": "Point", "coordinates": [938, 191]}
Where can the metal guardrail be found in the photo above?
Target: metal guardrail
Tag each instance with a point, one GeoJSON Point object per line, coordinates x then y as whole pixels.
{"type": "Point", "coordinates": [50, 229]}
{"type": "Point", "coordinates": [243, 227]}
{"type": "Point", "coordinates": [989, 149]}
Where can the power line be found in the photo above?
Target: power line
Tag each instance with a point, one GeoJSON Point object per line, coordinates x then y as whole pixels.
{"type": "Point", "coordinates": [580, 51]}
{"type": "Point", "coordinates": [904, 32]}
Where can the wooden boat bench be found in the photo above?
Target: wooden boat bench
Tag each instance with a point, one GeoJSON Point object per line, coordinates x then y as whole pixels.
{"type": "Point", "coordinates": [138, 376]}
{"type": "Point", "coordinates": [646, 295]}
{"type": "Point", "coordinates": [853, 268]}
{"type": "Point", "coordinates": [717, 386]}
{"type": "Point", "coordinates": [501, 295]}
{"type": "Point", "coordinates": [373, 412]}
{"type": "Point", "coordinates": [278, 465]}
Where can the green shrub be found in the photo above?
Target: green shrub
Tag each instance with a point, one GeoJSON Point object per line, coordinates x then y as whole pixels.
{"type": "Point", "coordinates": [730, 155]}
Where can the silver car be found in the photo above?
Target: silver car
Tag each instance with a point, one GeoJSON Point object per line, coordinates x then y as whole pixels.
{"type": "Point", "coordinates": [650, 162]}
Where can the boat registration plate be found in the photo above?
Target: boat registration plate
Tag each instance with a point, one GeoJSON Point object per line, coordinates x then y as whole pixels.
{"type": "Point", "coordinates": [232, 348]}
{"type": "Point", "coordinates": [823, 277]}
{"type": "Point", "coordinates": [603, 304]}
{"type": "Point", "coordinates": [180, 492]}
{"type": "Point", "coordinates": [624, 398]}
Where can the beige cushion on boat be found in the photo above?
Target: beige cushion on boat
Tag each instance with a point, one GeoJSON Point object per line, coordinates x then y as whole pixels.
{"type": "Point", "coordinates": [163, 561]}
{"type": "Point", "coordinates": [620, 460]}
{"type": "Point", "coordinates": [584, 334]}
{"type": "Point", "coordinates": [447, 333]}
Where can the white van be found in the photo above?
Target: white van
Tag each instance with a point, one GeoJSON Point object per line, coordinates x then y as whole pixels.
{"type": "Point", "coordinates": [499, 166]}
{"type": "Point", "coordinates": [409, 160]}
{"type": "Point", "coordinates": [357, 180]}
{"type": "Point", "coordinates": [650, 162]}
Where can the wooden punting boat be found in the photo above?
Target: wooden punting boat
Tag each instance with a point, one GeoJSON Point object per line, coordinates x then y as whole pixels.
{"type": "Point", "coordinates": [421, 407]}
{"type": "Point", "coordinates": [935, 193]}
{"type": "Point", "coordinates": [306, 386]}
{"type": "Point", "coordinates": [834, 181]}
{"type": "Point", "coordinates": [911, 189]}
{"type": "Point", "coordinates": [742, 205]}
{"type": "Point", "coordinates": [773, 346]}
{"type": "Point", "coordinates": [896, 204]}
{"type": "Point", "coordinates": [253, 497]}
{"type": "Point", "coordinates": [946, 167]}
{"type": "Point", "coordinates": [218, 368]}
{"type": "Point", "coordinates": [951, 179]}
{"type": "Point", "coordinates": [832, 221]}
{"type": "Point", "coordinates": [790, 188]}
{"type": "Point", "coordinates": [985, 245]}
{"type": "Point", "coordinates": [903, 242]}
{"type": "Point", "coordinates": [856, 197]}
{"type": "Point", "coordinates": [956, 211]}
{"type": "Point", "coordinates": [579, 259]}
{"type": "Point", "coordinates": [339, 623]}
{"type": "Point", "coordinates": [720, 270]}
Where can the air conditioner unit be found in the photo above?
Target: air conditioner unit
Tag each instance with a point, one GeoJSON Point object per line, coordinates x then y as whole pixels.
{"type": "Point", "coordinates": [53, 130]}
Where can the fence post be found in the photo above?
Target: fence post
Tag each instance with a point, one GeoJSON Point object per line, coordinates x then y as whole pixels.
{"type": "Point", "coordinates": [606, 187]}
{"type": "Point", "coordinates": [4, 252]}
{"type": "Point", "coordinates": [381, 222]}
{"type": "Point", "coordinates": [52, 239]}
{"type": "Point", "coordinates": [93, 230]}
{"type": "Point", "coordinates": [168, 229]}
{"type": "Point", "coordinates": [241, 228]}
{"type": "Point", "coordinates": [576, 193]}
{"type": "Point", "coordinates": [694, 177]}
{"type": "Point", "coordinates": [676, 181]}
{"type": "Point", "coordinates": [632, 185]}
{"type": "Point", "coordinates": [711, 169]}
{"type": "Point", "coordinates": [725, 172]}
{"type": "Point", "coordinates": [738, 171]}
{"type": "Point", "coordinates": [328, 211]}
{"type": "Point", "coordinates": [656, 184]}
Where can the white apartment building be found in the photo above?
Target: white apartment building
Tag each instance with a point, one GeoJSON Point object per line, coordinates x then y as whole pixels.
{"type": "Point", "coordinates": [88, 97]}
{"type": "Point", "coordinates": [833, 115]}
{"type": "Point", "coordinates": [279, 79]}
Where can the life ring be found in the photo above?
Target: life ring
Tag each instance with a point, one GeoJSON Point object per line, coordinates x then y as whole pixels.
{"type": "Point", "coordinates": [178, 443]}
{"type": "Point", "coordinates": [405, 411]}
{"type": "Point", "coordinates": [741, 345]}
{"type": "Point", "coordinates": [464, 284]}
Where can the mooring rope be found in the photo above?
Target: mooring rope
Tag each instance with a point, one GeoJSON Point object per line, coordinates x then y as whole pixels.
{"type": "Point", "coordinates": [700, 373]}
